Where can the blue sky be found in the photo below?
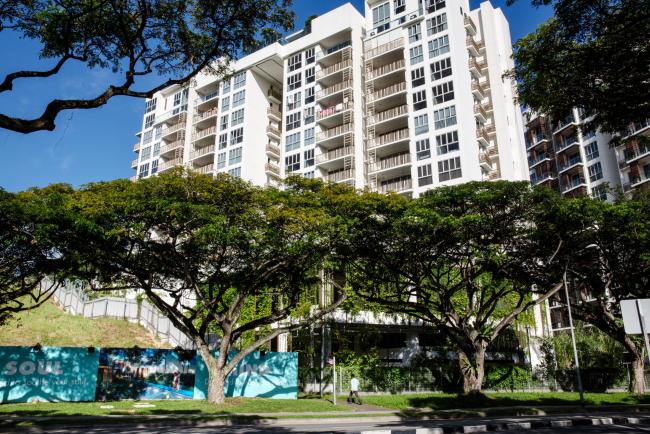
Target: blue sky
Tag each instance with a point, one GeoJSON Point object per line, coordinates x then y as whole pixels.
{"type": "Point", "coordinates": [96, 145]}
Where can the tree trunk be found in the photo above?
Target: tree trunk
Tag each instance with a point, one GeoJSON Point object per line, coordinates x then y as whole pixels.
{"type": "Point", "coordinates": [472, 367]}
{"type": "Point", "coordinates": [637, 378]}
{"type": "Point", "coordinates": [216, 376]}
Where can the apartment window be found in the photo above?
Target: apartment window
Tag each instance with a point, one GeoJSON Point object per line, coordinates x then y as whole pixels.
{"type": "Point", "coordinates": [237, 117]}
{"type": "Point", "coordinates": [425, 175]}
{"type": "Point", "coordinates": [595, 172]}
{"type": "Point", "coordinates": [158, 132]}
{"type": "Point", "coordinates": [144, 170]}
{"type": "Point", "coordinates": [180, 97]}
{"type": "Point", "coordinates": [309, 175]}
{"type": "Point", "coordinates": [600, 192]}
{"type": "Point", "coordinates": [292, 163]}
{"type": "Point", "coordinates": [295, 62]}
{"type": "Point", "coordinates": [221, 160]}
{"type": "Point", "coordinates": [149, 120]}
{"type": "Point", "coordinates": [438, 46]}
{"type": "Point", "coordinates": [235, 171]}
{"type": "Point", "coordinates": [310, 55]}
{"type": "Point", "coordinates": [310, 95]}
{"type": "Point", "coordinates": [441, 69]}
{"type": "Point", "coordinates": [437, 24]}
{"type": "Point", "coordinates": [309, 157]}
{"type": "Point", "coordinates": [236, 136]}
{"type": "Point", "coordinates": [415, 34]}
{"type": "Point", "coordinates": [154, 166]}
{"type": "Point", "coordinates": [420, 100]}
{"type": "Point", "coordinates": [294, 81]}
{"type": "Point", "coordinates": [591, 151]}
{"type": "Point", "coordinates": [588, 134]}
{"type": "Point", "coordinates": [225, 104]}
{"type": "Point", "coordinates": [238, 98]}
{"type": "Point", "coordinates": [423, 149]}
{"type": "Point", "coordinates": [421, 124]}
{"type": "Point", "coordinates": [445, 117]}
{"type": "Point", "coordinates": [150, 105]}
{"type": "Point", "coordinates": [443, 92]}
{"type": "Point", "coordinates": [223, 141]}
{"type": "Point", "coordinates": [381, 17]}
{"type": "Point", "coordinates": [416, 54]}
{"type": "Point", "coordinates": [293, 121]}
{"type": "Point", "coordinates": [293, 101]}
{"type": "Point", "coordinates": [310, 117]}
{"type": "Point", "coordinates": [240, 80]}
{"type": "Point", "coordinates": [447, 142]}
{"type": "Point", "coordinates": [449, 169]}
{"type": "Point", "coordinates": [234, 156]}
{"type": "Point", "coordinates": [292, 142]}
{"type": "Point", "coordinates": [224, 122]}
{"type": "Point", "coordinates": [434, 5]}
{"type": "Point", "coordinates": [417, 77]}
{"type": "Point", "coordinates": [310, 75]}
{"type": "Point", "coordinates": [400, 6]}
{"type": "Point", "coordinates": [156, 149]}
{"type": "Point", "coordinates": [309, 136]}
{"type": "Point", "coordinates": [146, 153]}
{"type": "Point", "coordinates": [226, 86]}
{"type": "Point", "coordinates": [147, 137]}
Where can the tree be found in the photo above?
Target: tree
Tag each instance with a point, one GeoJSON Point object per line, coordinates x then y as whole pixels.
{"type": "Point", "coordinates": [215, 256]}
{"type": "Point", "coordinates": [461, 258]}
{"type": "Point", "coordinates": [174, 39]}
{"type": "Point", "coordinates": [594, 55]}
{"type": "Point", "coordinates": [609, 262]}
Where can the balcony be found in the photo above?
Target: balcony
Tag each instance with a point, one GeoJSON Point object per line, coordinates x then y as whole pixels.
{"type": "Point", "coordinates": [274, 114]}
{"type": "Point", "coordinates": [391, 162]}
{"type": "Point", "coordinates": [387, 92]}
{"type": "Point", "coordinates": [539, 138]}
{"type": "Point", "coordinates": [569, 121]}
{"type": "Point", "coordinates": [390, 138]}
{"type": "Point", "coordinates": [177, 115]}
{"type": "Point", "coordinates": [208, 114]}
{"type": "Point", "coordinates": [482, 136]}
{"type": "Point", "coordinates": [480, 113]}
{"type": "Point", "coordinates": [208, 132]}
{"type": "Point", "coordinates": [636, 128]}
{"type": "Point", "coordinates": [494, 175]}
{"type": "Point", "coordinates": [636, 153]}
{"type": "Point", "coordinates": [332, 90]}
{"type": "Point", "coordinates": [272, 169]}
{"type": "Point", "coordinates": [275, 95]}
{"type": "Point", "coordinates": [273, 132]}
{"type": "Point", "coordinates": [641, 178]}
{"type": "Point", "coordinates": [329, 55]}
{"type": "Point", "coordinates": [169, 164]}
{"type": "Point", "coordinates": [331, 70]}
{"type": "Point", "coordinates": [202, 152]}
{"type": "Point", "coordinates": [567, 143]}
{"type": "Point", "coordinates": [208, 169]}
{"type": "Point", "coordinates": [396, 185]}
{"type": "Point", "coordinates": [536, 179]}
{"type": "Point", "coordinates": [178, 144]}
{"type": "Point", "coordinates": [398, 65]}
{"type": "Point", "coordinates": [173, 129]}
{"type": "Point", "coordinates": [574, 184]}
{"type": "Point", "coordinates": [470, 27]}
{"type": "Point", "coordinates": [339, 176]}
{"type": "Point", "coordinates": [329, 115]}
{"type": "Point", "coordinates": [333, 133]}
{"type": "Point", "coordinates": [478, 90]}
{"type": "Point", "coordinates": [136, 147]}
{"type": "Point", "coordinates": [134, 163]}
{"type": "Point", "coordinates": [476, 67]}
{"type": "Point", "coordinates": [273, 150]}
{"type": "Point", "coordinates": [484, 161]}
{"type": "Point", "coordinates": [475, 48]}
{"type": "Point", "coordinates": [540, 158]}
{"type": "Point", "coordinates": [397, 44]}
{"type": "Point", "coordinates": [387, 115]}
{"type": "Point", "coordinates": [330, 158]}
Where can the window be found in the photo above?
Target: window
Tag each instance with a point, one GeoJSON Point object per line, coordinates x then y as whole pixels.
{"type": "Point", "coordinates": [310, 75]}
{"type": "Point", "coordinates": [292, 142]}
{"type": "Point", "coordinates": [591, 151]}
{"type": "Point", "coordinates": [147, 137]}
{"type": "Point", "coordinates": [238, 98]}
{"type": "Point", "coordinates": [294, 81]}
{"type": "Point", "coordinates": [309, 175]}
{"type": "Point", "coordinates": [437, 24]}
{"type": "Point", "coordinates": [293, 121]}
{"type": "Point", "coordinates": [150, 105]}
{"type": "Point", "coordinates": [417, 77]}
{"type": "Point", "coordinates": [293, 101]}
{"type": "Point", "coordinates": [149, 120]}
{"type": "Point", "coordinates": [449, 169]}
{"type": "Point", "coordinates": [441, 69]}
{"type": "Point", "coordinates": [421, 124]}
{"type": "Point", "coordinates": [423, 149]}
{"type": "Point", "coordinates": [434, 5]}
{"type": "Point", "coordinates": [236, 136]}
{"type": "Point", "coordinates": [235, 171]}
{"type": "Point", "coordinates": [292, 163]}
{"type": "Point", "coordinates": [443, 92]}
{"type": "Point", "coordinates": [310, 55]}
{"type": "Point", "coordinates": [595, 172]}
{"type": "Point", "coordinates": [415, 33]}
{"type": "Point", "coordinates": [445, 117]}
{"type": "Point", "coordinates": [146, 153]}
{"type": "Point", "coordinates": [224, 122]}
{"type": "Point", "coordinates": [309, 157]}
{"type": "Point", "coordinates": [309, 136]}
{"type": "Point", "coordinates": [419, 100]}
{"type": "Point", "coordinates": [447, 142]}
{"type": "Point", "coordinates": [381, 17]}
{"type": "Point", "coordinates": [225, 104]}
{"type": "Point", "coordinates": [295, 62]}
{"type": "Point", "coordinates": [416, 54]}
{"type": "Point", "coordinates": [400, 6]}
{"type": "Point", "coordinates": [588, 134]}
{"type": "Point", "coordinates": [154, 166]}
{"type": "Point", "coordinates": [600, 192]}
{"type": "Point", "coordinates": [237, 117]}
{"type": "Point", "coordinates": [226, 86]}
{"type": "Point", "coordinates": [309, 95]}
{"type": "Point", "coordinates": [234, 156]}
{"type": "Point", "coordinates": [425, 175]}
{"type": "Point", "coordinates": [240, 80]}
{"type": "Point", "coordinates": [144, 170]}
{"type": "Point", "coordinates": [156, 149]}
{"type": "Point", "coordinates": [158, 132]}
{"type": "Point", "coordinates": [223, 141]}
{"type": "Point", "coordinates": [438, 46]}
{"type": "Point", "coordinates": [310, 118]}
{"type": "Point", "coordinates": [221, 160]}
{"type": "Point", "coordinates": [180, 97]}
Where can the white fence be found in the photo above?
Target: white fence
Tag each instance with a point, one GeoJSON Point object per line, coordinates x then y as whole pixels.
{"type": "Point", "coordinates": [72, 298]}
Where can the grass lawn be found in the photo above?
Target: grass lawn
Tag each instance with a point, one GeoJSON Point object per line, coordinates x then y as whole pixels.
{"type": "Point", "coordinates": [50, 326]}
{"type": "Point", "coordinates": [440, 401]}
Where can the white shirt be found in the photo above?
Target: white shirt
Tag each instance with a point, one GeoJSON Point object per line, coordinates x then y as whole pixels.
{"type": "Point", "coordinates": [354, 385]}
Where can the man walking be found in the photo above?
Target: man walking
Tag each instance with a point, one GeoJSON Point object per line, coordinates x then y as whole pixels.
{"type": "Point", "coordinates": [354, 391]}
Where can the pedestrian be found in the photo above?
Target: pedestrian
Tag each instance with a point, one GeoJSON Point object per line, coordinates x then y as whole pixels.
{"type": "Point", "coordinates": [176, 383]}
{"type": "Point", "coordinates": [354, 391]}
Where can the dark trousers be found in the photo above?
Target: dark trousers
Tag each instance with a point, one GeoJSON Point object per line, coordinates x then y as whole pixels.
{"type": "Point", "coordinates": [352, 395]}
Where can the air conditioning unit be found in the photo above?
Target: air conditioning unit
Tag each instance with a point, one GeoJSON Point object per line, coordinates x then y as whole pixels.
{"type": "Point", "coordinates": [373, 33]}
{"type": "Point", "coordinates": [413, 16]}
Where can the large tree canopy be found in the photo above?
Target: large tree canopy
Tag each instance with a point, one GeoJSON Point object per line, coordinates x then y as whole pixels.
{"type": "Point", "coordinates": [594, 55]}
{"type": "Point", "coordinates": [172, 38]}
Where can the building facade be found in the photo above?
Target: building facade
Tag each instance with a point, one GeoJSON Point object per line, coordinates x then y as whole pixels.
{"type": "Point", "coordinates": [633, 157]}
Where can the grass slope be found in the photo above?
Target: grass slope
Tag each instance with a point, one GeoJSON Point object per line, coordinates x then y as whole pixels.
{"type": "Point", "coordinates": [50, 326]}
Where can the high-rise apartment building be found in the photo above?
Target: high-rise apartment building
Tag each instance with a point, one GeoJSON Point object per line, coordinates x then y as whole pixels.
{"type": "Point", "coordinates": [634, 157]}
{"type": "Point", "coordinates": [408, 98]}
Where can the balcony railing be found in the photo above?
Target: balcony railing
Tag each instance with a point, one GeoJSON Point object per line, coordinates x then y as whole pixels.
{"type": "Point", "coordinates": [171, 163]}
{"type": "Point", "coordinates": [209, 96]}
{"type": "Point", "coordinates": [330, 111]}
{"type": "Point", "coordinates": [134, 163]}
{"type": "Point", "coordinates": [400, 184]}
{"type": "Point", "coordinates": [634, 153]}
{"type": "Point", "coordinates": [273, 168]}
{"type": "Point", "coordinates": [569, 120]}
{"type": "Point", "coordinates": [273, 112]}
{"type": "Point", "coordinates": [339, 176]}
{"type": "Point", "coordinates": [384, 48]}
{"type": "Point", "coordinates": [573, 183]}
{"type": "Point", "coordinates": [469, 25]}
{"type": "Point", "coordinates": [390, 162]}
{"type": "Point", "coordinates": [136, 147]}
{"type": "Point", "coordinates": [391, 137]}
{"type": "Point", "coordinates": [272, 93]}
{"type": "Point", "coordinates": [338, 87]}
{"type": "Point", "coordinates": [174, 128]}
{"type": "Point", "coordinates": [636, 127]}
{"type": "Point", "coordinates": [172, 146]}
{"type": "Point", "coordinates": [386, 69]}
{"type": "Point", "coordinates": [387, 91]}
{"type": "Point", "coordinates": [567, 143]}
{"type": "Point", "coordinates": [331, 50]}
{"type": "Point", "coordinates": [270, 129]}
{"type": "Point", "coordinates": [335, 154]}
{"type": "Point", "coordinates": [479, 66]}
{"type": "Point", "coordinates": [479, 110]}
{"type": "Point", "coordinates": [273, 150]}
{"type": "Point", "coordinates": [202, 151]}
{"type": "Point", "coordinates": [476, 86]}
{"type": "Point", "coordinates": [471, 42]}
{"type": "Point", "coordinates": [536, 179]}
{"type": "Point", "coordinates": [204, 133]}
{"type": "Point", "coordinates": [333, 132]}
{"type": "Point", "coordinates": [206, 114]}
{"type": "Point", "coordinates": [388, 114]}
{"type": "Point", "coordinates": [538, 159]}
{"type": "Point", "coordinates": [207, 169]}
{"type": "Point", "coordinates": [333, 69]}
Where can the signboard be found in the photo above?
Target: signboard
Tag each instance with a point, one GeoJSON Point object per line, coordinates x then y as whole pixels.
{"type": "Point", "coordinates": [631, 319]}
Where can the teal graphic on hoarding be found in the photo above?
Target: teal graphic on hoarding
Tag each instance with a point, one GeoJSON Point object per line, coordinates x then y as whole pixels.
{"type": "Point", "coordinates": [47, 374]}
{"type": "Point", "coordinates": [259, 375]}
{"type": "Point", "coordinates": [145, 374]}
